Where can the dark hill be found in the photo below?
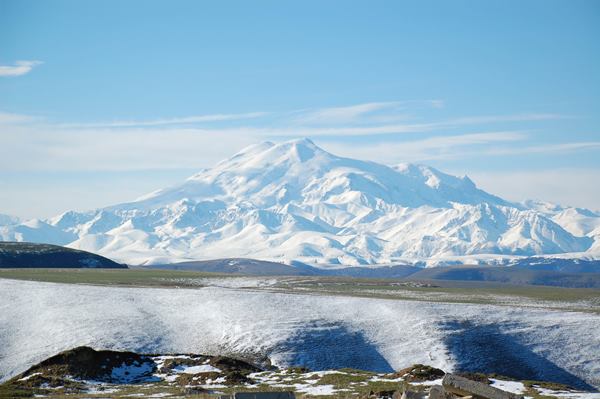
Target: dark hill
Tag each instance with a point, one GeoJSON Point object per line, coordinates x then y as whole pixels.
{"type": "Point", "coordinates": [241, 266]}
{"type": "Point", "coordinates": [254, 267]}
{"type": "Point", "coordinates": [29, 255]}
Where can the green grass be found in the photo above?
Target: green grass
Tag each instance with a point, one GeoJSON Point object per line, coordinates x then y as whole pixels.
{"type": "Point", "coordinates": [123, 392]}
{"type": "Point", "coordinates": [118, 277]}
{"type": "Point", "coordinates": [574, 299]}
{"type": "Point", "coordinates": [386, 287]}
{"type": "Point", "coordinates": [342, 380]}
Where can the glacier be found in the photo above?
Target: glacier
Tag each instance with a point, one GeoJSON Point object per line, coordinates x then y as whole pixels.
{"type": "Point", "coordinates": [294, 201]}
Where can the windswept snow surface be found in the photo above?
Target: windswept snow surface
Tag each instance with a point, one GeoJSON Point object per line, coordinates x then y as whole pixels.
{"type": "Point", "coordinates": [39, 319]}
{"type": "Point", "coordinates": [295, 201]}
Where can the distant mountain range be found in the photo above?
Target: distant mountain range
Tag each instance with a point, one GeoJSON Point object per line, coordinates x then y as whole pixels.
{"type": "Point", "coordinates": [573, 273]}
{"type": "Point", "coordinates": [294, 201]}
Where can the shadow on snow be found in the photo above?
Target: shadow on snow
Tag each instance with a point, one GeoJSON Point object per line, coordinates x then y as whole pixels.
{"type": "Point", "coordinates": [485, 348]}
{"type": "Point", "coordinates": [322, 346]}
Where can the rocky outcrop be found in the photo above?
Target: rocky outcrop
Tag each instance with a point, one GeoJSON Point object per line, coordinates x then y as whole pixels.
{"type": "Point", "coordinates": [85, 363]}
{"type": "Point", "coordinates": [82, 371]}
{"type": "Point", "coordinates": [463, 387]}
{"type": "Point", "coordinates": [419, 373]}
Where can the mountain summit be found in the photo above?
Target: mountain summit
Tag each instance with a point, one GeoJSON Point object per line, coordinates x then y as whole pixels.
{"type": "Point", "coordinates": [295, 201]}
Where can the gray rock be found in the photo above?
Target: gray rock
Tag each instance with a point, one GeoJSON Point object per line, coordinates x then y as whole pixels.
{"type": "Point", "coordinates": [464, 387]}
{"type": "Point", "coordinates": [407, 394]}
{"type": "Point", "coordinates": [438, 392]}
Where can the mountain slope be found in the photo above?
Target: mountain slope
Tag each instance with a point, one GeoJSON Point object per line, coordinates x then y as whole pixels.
{"type": "Point", "coordinates": [295, 201]}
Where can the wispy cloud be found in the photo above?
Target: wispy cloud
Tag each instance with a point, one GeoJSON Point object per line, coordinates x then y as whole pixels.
{"type": "Point", "coordinates": [545, 148]}
{"type": "Point", "coordinates": [19, 68]}
{"type": "Point", "coordinates": [371, 131]}
{"type": "Point", "coordinates": [169, 121]}
{"type": "Point", "coordinates": [567, 186]}
{"type": "Point", "coordinates": [464, 146]}
{"type": "Point", "coordinates": [367, 119]}
{"type": "Point", "coordinates": [108, 149]}
{"type": "Point", "coordinates": [170, 143]}
{"type": "Point", "coordinates": [365, 112]}
{"type": "Point", "coordinates": [173, 148]}
{"type": "Point", "coordinates": [507, 118]}
{"type": "Point", "coordinates": [10, 119]}
{"type": "Point", "coordinates": [343, 114]}
{"type": "Point", "coordinates": [378, 125]}
{"type": "Point", "coordinates": [437, 147]}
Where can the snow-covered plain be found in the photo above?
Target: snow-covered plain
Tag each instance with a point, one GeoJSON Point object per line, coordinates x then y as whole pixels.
{"type": "Point", "coordinates": [295, 201]}
{"type": "Point", "coordinates": [322, 332]}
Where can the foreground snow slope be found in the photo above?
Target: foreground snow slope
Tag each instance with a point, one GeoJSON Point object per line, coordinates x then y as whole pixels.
{"type": "Point", "coordinates": [295, 201]}
{"type": "Point", "coordinates": [317, 331]}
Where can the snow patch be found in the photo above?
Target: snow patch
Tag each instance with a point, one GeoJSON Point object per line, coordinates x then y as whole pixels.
{"type": "Point", "coordinates": [204, 368]}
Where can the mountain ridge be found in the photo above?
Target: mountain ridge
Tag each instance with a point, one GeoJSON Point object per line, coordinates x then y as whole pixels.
{"type": "Point", "coordinates": [295, 201]}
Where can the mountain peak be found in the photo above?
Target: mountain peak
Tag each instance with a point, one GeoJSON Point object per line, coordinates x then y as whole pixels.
{"type": "Point", "coordinates": [299, 149]}
{"type": "Point", "coordinates": [303, 142]}
{"type": "Point", "coordinates": [295, 201]}
{"type": "Point", "coordinates": [268, 152]}
{"type": "Point", "coordinates": [302, 145]}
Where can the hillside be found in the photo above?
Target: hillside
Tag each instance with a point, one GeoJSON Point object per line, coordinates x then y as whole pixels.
{"type": "Point", "coordinates": [30, 255]}
{"type": "Point", "coordinates": [258, 318]}
{"type": "Point", "coordinates": [294, 201]}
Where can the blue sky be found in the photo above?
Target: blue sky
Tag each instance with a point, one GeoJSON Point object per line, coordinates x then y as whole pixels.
{"type": "Point", "coordinates": [102, 101]}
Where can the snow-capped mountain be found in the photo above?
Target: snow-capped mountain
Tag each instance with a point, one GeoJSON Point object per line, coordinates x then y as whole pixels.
{"type": "Point", "coordinates": [8, 219]}
{"type": "Point", "coordinates": [295, 201]}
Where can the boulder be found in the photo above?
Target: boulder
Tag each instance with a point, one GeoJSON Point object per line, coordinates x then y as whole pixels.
{"type": "Point", "coordinates": [464, 387]}
{"type": "Point", "coordinates": [408, 394]}
{"type": "Point", "coordinates": [438, 392]}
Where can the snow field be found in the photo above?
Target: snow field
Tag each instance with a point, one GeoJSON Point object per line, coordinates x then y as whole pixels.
{"type": "Point", "coordinates": [38, 320]}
